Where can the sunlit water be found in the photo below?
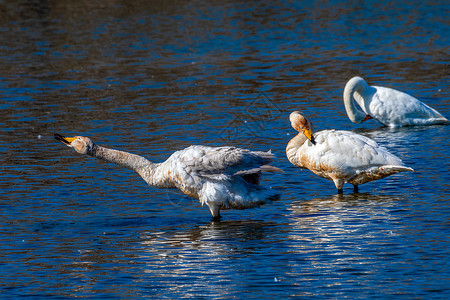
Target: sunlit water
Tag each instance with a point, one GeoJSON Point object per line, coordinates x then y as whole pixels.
{"type": "Point", "coordinates": [150, 78]}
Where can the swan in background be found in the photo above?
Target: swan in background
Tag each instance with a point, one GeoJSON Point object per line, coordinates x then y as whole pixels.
{"type": "Point", "coordinates": [341, 156]}
{"type": "Point", "coordinates": [220, 177]}
{"type": "Point", "coordinates": [388, 106]}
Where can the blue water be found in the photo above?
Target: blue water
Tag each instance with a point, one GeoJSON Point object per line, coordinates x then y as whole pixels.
{"type": "Point", "coordinates": [152, 77]}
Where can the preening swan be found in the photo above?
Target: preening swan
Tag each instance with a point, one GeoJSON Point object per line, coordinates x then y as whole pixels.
{"type": "Point", "coordinates": [341, 156]}
{"type": "Point", "coordinates": [388, 106]}
{"type": "Point", "coordinates": [220, 177]}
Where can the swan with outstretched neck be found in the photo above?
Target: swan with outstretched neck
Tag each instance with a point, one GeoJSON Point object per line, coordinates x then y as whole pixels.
{"type": "Point", "coordinates": [388, 106]}
{"type": "Point", "coordinates": [220, 177]}
{"type": "Point", "coordinates": [338, 155]}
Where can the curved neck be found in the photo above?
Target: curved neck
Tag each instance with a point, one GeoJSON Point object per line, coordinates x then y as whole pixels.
{"type": "Point", "coordinates": [355, 85]}
{"type": "Point", "coordinates": [293, 146]}
{"type": "Point", "coordinates": [137, 163]}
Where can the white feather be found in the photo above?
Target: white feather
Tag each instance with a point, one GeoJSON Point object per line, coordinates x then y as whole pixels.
{"type": "Point", "coordinates": [341, 156]}
{"type": "Point", "coordinates": [388, 106]}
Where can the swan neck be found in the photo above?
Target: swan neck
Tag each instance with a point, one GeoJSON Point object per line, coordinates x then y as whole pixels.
{"type": "Point", "coordinates": [137, 163]}
{"type": "Point", "coordinates": [292, 148]}
{"type": "Point", "coordinates": [355, 114]}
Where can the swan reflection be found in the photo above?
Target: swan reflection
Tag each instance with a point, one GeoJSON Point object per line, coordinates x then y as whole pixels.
{"type": "Point", "coordinates": [395, 137]}
{"type": "Point", "coordinates": [218, 238]}
{"type": "Point", "coordinates": [343, 234]}
{"type": "Point", "coordinates": [340, 218]}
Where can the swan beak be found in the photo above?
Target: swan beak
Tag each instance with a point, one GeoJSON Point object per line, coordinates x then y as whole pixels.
{"type": "Point", "coordinates": [368, 117]}
{"type": "Point", "coordinates": [63, 139]}
{"type": "Point", "coordinates": [308, 133]}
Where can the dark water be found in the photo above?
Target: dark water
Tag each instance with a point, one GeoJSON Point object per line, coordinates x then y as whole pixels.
{"type": "Point", "coordinates": [152, 77]}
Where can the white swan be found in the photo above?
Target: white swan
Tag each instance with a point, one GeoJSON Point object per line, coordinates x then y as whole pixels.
{"type": "Point", "coordinates": [388, 106]}
{"type": "Point", "coordinates": [341, 156]}
{"type": "Point", "coordinates": [220, 177]}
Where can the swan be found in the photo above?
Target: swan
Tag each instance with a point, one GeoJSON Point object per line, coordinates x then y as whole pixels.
{"type": "Point", "coordinates": [220, 177]}
{"type": "Point", "coordinates": [388, 106]}
{"type": "Point", "coordinates": [341, 156]}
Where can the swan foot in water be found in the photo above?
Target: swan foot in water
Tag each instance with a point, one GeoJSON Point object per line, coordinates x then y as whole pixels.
{"type": "Point", "coordinates": [216, 218]}
{"type": "Point", "coordinates": [339, 183]}
{"type": "Point", "coordinates": [215, 212]}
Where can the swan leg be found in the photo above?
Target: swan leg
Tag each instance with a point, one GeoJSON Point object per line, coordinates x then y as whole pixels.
{"type": "Point", "coordinates": [355, 188]}
{"type": "Point", "coordinates": [216, 219]}
{"type": "Point", "coordinates": [215, 211]}
{"type": "Point", "coordinates": [339, 183]}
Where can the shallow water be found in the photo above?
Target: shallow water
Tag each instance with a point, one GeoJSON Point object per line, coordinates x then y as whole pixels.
{"type": "Point", "coordinates": [152, 77]}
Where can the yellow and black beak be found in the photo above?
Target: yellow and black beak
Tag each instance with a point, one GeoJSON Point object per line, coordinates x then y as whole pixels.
{"type": "Point", "coordinates": [63, 139]}
{"type": "Point", "coordinates": [309, 135]}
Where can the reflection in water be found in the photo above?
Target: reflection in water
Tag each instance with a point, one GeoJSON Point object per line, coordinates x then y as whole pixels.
{"type": "Point", "coordinates": [214, 254]}
{"type": "Point", "coordinates": [320, 212]}
{"type": "Point", "coordinates": [395, 137]}
{"type": "Point", "coordinates": [347, 235]}
{"type": "Point", "coordinates": [340, 215]}
{"type": "Point", "coordinates": [416, 145]}
{"type": "Point", "coordinates": [215, 235]}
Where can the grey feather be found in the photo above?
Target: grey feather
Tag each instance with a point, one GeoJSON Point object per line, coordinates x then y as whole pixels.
{"type": "Point", "coordinates": [229, 161]}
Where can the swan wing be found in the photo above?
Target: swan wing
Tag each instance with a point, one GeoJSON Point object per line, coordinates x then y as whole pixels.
{"type": "Point", "coordinates": [345, 152]}
{"type": "Point", "coordinates": [222, 162]}
{"type": "Point", "coordinates": [392, 107]}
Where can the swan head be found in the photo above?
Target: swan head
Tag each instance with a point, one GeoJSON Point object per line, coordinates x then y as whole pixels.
{"type": "Point", "coordinates": [302, 124]}
{"type": "Point", "coordinates": [81, 144]}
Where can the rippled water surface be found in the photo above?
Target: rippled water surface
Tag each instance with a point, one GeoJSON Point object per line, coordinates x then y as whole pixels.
{"type": "Point", "coordinates": [152, 77]}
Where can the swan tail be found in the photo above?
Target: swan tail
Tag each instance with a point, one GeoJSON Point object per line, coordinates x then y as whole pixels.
{"type": "Point", "coordinates": [375, 173]}
{"type": "Point", "coordinates": [395, 169]}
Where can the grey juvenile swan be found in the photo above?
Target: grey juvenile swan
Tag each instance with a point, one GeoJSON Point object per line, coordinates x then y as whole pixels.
{"type": "Point", "coordinates": [220, 177]}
